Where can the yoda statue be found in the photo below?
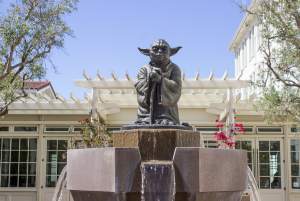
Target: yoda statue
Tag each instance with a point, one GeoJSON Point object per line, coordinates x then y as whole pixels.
{"type": "Point", "coordinates": [158, 86]}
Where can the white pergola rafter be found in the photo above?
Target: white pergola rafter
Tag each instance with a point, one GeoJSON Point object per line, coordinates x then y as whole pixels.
{"type": "Point", "coordinates": [108, 96]}
{"type": "Point", "coordinates": [186, 84]}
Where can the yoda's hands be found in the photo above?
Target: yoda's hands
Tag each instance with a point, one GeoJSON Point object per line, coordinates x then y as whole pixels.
{"type": "Point", "coordinates": [155, 77]}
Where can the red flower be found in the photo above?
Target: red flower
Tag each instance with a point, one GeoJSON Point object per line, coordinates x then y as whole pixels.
{"type": "Point", "coordinates": [231, 144]}
{"type": "Point", "coordinates": [239, 127]}
{"type": "Point", "coordinates": [221, 136]}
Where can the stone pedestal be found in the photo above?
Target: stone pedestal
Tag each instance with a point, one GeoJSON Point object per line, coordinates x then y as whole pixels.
{"type": "Point", "coordinates": [114, 174]}
{"type": "Point", "coordinates": [156, 144]}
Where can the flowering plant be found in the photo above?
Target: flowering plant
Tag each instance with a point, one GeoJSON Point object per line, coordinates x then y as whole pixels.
{"type": "Point", "coordinates": [226, 133]}
{"type": "Point", "coordinates": [94, 133]}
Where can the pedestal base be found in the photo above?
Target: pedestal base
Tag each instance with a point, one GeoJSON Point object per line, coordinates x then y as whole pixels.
{"type": "Point", "coordinates": [156, 144]}
{"type": "Point", "coordinates": [104, 196]}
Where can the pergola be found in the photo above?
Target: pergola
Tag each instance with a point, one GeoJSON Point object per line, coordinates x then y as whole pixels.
{"type": "Point", "coordinates": [109, 95]}
{"type": "Point", "coordinates": [217, 95]}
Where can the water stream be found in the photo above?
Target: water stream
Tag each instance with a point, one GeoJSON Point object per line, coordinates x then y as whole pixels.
{"type": "Point", "coordinates": [60, 185]}
{"type": "Point", "coordinates": [253, 186]}
{"type": "Point", "coordinates": [158, 181]}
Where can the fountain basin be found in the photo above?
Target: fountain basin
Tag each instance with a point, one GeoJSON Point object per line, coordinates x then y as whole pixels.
{"type": "Point", "coordinates": [114, 174]}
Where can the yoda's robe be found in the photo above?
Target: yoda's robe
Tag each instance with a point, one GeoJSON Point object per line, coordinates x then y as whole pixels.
{"type": "Point", "coordinates": [162, 104]}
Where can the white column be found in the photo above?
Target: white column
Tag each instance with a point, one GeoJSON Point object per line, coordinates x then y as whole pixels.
{"type": "Point", "coordinates": [94, 103]}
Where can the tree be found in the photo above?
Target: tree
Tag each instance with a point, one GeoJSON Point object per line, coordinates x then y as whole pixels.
{"type": "Point", "coordinates": [279, 81]}
{"type": "Point", "coordinates": [29, 32]}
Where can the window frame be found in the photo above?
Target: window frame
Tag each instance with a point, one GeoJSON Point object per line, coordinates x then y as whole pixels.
{"type": "Point", "coordinates": [19, 162]}
{"type": "Point", "coordinates": [25, 126]}
{"type": "Point", "coordinates": [290, 165]}
{"type": "Point", "coordinates": [57, 131]}
{"type": "Point", "coordinates": [269, 132]}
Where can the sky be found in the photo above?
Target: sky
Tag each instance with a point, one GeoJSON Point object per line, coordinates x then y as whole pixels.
{"type": "Point", "coordinates": [108, 32]}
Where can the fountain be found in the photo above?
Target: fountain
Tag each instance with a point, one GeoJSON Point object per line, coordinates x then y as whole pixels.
{"type": "Point", "coordinates": [157, 158]}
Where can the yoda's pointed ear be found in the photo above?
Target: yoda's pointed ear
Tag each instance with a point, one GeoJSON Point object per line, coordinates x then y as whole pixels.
{"type": "Point", "coordinates": [174, 50]}
{"type": "Point", "coordinates": [144, 51]}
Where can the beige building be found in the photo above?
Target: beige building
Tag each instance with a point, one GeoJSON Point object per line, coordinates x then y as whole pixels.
{"type": "Point", "coordinates": [36, 132]}
{"type": "Point", "coordinates": [268, 164]}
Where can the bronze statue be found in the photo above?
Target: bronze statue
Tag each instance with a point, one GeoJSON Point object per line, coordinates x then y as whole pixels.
{"type": "Point", "coordinates": [158, 86]}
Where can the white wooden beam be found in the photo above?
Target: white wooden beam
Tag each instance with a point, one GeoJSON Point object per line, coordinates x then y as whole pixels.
{"type": "Point", "coordinates": [183, 76]}
{"type": "Point", "coordinates": [85, 75]}
{"type": "Point", "coordinates": [197, 76]}
{"type": "Point", "coordinates": [99, 76]}
{"type": "Point", "coordinates": [86, 97]}
{"type": "Point", "coordinates": [127, 76]}
{"type": "Point", "coordinates": [94, 109]}
{"type": "Point", "coordinates": [211, 76]}
{"type": "Point", "coordinates": [61, 98]}
{"type": "Point", "coordinates": [238, 97]}
{"type": "Point", "coordinates": [49, 106]}
{"type": "Point", "coordinates": [225, 75]}
{"type": "Point", "coordinates": [239, 75]}
{"type": "Point", "coordinates": [114, 77]}
{"type": "Point", "coordinates": [187, 84]}
{"type": "Point", "coordinates": [76, 100]}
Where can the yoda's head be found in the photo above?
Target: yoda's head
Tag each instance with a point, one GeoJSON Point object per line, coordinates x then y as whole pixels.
{"type": "Point", "coordinates": [160, 52]}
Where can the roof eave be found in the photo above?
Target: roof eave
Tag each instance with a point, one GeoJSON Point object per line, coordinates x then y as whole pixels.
{"type": "Point", "coordinates": [242, 26]}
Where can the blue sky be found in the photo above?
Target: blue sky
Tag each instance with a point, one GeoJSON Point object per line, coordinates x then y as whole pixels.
{"type": "Point", "coordinates": [108, 32]}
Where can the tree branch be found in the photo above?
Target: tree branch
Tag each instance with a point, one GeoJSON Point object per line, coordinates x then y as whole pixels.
{"type": "Point", "coordinates": [23, 94]}
{"type": "Point", "coordinates": [268, 57]}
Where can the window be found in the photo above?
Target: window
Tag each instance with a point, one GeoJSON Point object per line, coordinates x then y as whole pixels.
{"type": "Point", "coordinates": [56, 160]}
{"type": "Point", "coordinates": [207, 129]}
{"type": "Point", "coordinates": [25, 129]}
{"type": "Point", "coordinates": [77, 129]}
{"type": "Point", "coordinates": [246, 145]}
{"type": "Point", "coordinates": [4, 128]}
{"type": "Point", "coordinates": [295, 163]}
{"type": "Point", "coordinates": [269, 165]}
{"type": "Point", "coordinates": [269, 130]}
{"type": "Point", "coordinates": [57, 129]}
{"type": "Point", "coordinates": [18, 162]}
{"type": "Point", "coordinates": [248, 129]}
{"type": "Point", "coordinates": [295, 129]}
{"type": "Point", "coordinates": [111, 129]}
{"type": "Point", "coordinates": [210, 144]}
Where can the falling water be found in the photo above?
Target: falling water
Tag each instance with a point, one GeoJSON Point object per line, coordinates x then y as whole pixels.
{"type": "Point", "coordinates": [60, 185]}
{"type": "Point", "coordinates": [253, 186]}
{"type": "Point", "coordinates": [158, 181]}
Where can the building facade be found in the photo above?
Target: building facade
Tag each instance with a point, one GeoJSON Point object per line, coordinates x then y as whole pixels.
{"type": "Point", "coordinates": [281, 168]}
{"type": "Point", "coordinates": [37, 131]}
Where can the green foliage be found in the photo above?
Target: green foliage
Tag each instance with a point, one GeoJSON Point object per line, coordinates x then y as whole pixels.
{"type": "Point", "coordinates": [281, 105]}
{"type": "Point", "coordinates": [280, 78]}
{"type": "Point", "coordinates": [29, 32]}
{"type": "Point", "coordinates": [94, 133]}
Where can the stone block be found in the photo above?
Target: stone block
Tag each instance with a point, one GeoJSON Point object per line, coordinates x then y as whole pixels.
{"type": "Point", "coordinates": [102, 169]}
{"type": "Point", "coordinates": [210, 170]}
